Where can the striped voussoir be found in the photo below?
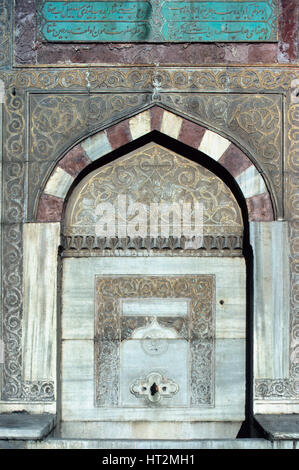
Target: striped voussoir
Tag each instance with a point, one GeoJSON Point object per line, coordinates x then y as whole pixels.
{"type": "Point", "coordinates": [208, 142]}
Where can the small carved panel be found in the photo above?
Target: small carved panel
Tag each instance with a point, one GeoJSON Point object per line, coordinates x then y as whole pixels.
{"type": "Point", "coordinates": [134, 343]}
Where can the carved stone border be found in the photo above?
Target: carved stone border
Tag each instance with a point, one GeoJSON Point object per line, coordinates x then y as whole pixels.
{"type": "Point", "coordinates": [111, 328]}
{"type": "Point", "coordinates": [156, 81]}
{"type": "Point", "coordinates": [5, 33]}
{"type": "Point", "coordinates": [210, 245]}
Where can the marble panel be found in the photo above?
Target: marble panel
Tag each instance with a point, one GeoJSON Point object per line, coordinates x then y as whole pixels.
{"type": "Point", "coordinates": [97, 145]}
{"type": "Point", "coordinates": [201, 443]}
{"type": "Point", "coordinates": [282, 407]}
{"type": "Point", "coordinates": [154, 307]}
{"type": "Point", "coordinates": [140, 124]}
{"type": "Point", "coordinates": [59, 183]}
{"type": "Point", "coordinates": [146, 430]}
{"type": "Point", "coordinates": [40, 293]}
{"type": "Point", "coordinates": [251, 182]}
{"type": "Point", "coordinates": [78, 289]}
{"type": "Point", "coordinates": [171, 124]}
{"type": "Point", "coordinates": [271, 299]}
{"type": "Point", "coordinates": [1, 144]}
{"type": "Point", "coordinates": [78, 388]}
{"type": "Point", "coordinates": [213, 145]}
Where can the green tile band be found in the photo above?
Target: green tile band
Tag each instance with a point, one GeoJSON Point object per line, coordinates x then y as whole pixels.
{"type": "Point", "coordinates": [158, 21]}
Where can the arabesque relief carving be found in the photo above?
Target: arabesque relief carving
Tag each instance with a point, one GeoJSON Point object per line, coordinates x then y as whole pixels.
{"type": "Point", "coordinates": [111, 328]}
{"type": "Point", "coordinates": [5, 29]}
{"type": "Point", "coordinates": [20, 86]}
{"type": "Point", "coordinates": [154, 175]}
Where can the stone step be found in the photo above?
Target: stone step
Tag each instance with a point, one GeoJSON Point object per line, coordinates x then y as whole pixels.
{"type": "Point", "coordinates": [110, 444]}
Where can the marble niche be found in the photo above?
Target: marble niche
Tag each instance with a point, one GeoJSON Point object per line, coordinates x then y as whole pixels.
{"type": "Point", "coordinates": [152, 332]}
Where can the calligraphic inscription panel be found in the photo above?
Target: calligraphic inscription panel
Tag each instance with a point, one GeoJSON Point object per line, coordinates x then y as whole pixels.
{"type": "Point", "coordinates": [157, 21]}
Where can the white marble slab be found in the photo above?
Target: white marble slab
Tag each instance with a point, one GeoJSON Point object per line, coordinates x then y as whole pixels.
{"type": "Point", "coordinates": [213, 145]}
{"type": "Point", "coordinates": [40, 296]}
{"type": "Point", "coordinates": [265, 407]}
{"type": "Point", "coordinates": [59, 183]}
{"type": "Point", "coordinates": [24, 426]}
{"type": "Point", "coordinates": [140, 124]}
{"type": "Point", "coordinates": [173, 363]}
{"type": "Point", "coordinates": [230, 374]}
{"type": "Point", "coordinates": [155, 307]}
{"type": "Point", "coordinates": [78, 388]}
{"type": "Point", "coordinates": [171, 124]}
{"type": "Point", "coordinates": [271, 301]}
{"type": "Point", "coordinates": [79, 278]}
{"type": "Point", "coordinates": [97, 145]}
{"type": "Point", "coordinates": [149, 430]}
{"type": "Point", "coordinates": [251, 182]}
{"type": "Point", "coordinates": [197, 443]}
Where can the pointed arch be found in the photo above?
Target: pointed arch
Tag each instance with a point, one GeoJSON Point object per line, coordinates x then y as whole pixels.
{"type": "Point", "coordinates": [215, 146]}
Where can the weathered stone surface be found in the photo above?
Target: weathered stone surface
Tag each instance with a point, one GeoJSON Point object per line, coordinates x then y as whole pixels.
{"type": "Point", "coordinates": [119, 134]}
{"type": "Point", "coordinates": [251, 182]}
{"type": "Point", "coordinates": [234, 160]}
{"type": "Point", "coordinates": [156, 117]}
{"type": "Point", "coordinates": [140, 124]}
{"type": "Point", "coordinates": [213, 145]}
{"type": "Point", "coordinates": [59, 183]}
{"type": "Point", "coordinates": [271, 313]}
{"type": "Point", "coordinates": [171, 124]}
{"type": "Point", "coordinates": [65, 443]}
{"type": "Point", "coordinates": [41, 242]}
{"type": "Point", "coordinates": [30, 50]}
{"type": "Point", "coordinates": [288, 30]}
{"type": "Point", "coordinates": [262, 53]}
{"type": "Point", "coordinates": [191, 134]}
{"type": "Point", "coordinates": [5, 36]}
{"type": "Point", "coordinates": [49, 209]}
{"type": "Point", "coordinates": [260, 208]}
{"type": "Point", "coordinates": [280, 426]}
{"type": "Point", "coordinates": [236, 53]}
{"type": "Point", "coordinates": [25, 34]}
{"type": "Point", "coordinates": [97, 145]}
{"type": "Point", "coordinates": [25, 426]}
{"type": "Point", "coordinates": [74, 161]}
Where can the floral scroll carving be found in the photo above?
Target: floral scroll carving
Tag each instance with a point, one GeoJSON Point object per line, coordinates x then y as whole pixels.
{"type": "Point", "coordinates": [111, 328]}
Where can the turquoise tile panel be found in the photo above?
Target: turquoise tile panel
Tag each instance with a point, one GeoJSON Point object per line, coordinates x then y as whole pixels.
{"type": "Point", "coordinates": [158, 21]}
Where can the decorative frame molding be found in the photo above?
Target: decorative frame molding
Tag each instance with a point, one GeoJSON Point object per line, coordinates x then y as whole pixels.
{"type": "Point", "coordinates": [111, 328]}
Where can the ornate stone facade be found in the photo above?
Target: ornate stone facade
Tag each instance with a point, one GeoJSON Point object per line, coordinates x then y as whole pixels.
{"type": "Point", "coordinates": [197, 329]}
{"type": "Point", "coordinates": [106, 96]}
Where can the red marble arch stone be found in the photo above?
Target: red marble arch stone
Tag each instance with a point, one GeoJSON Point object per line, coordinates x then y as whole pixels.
{"type": "Point", "coordinates": [49, 208]}
{"type": "Point", "coordinates": [191, 133]}
{"type": "Point", "coordinates": [235, 161]}
{"type": "Point", "coordinates": [156, 117]}
{"type": "Point", "coordinates": [119, 134]}
{"type": "Point", "coordinates": [260, 208]}
{"type": "Point", "coordinates": [74, 161]}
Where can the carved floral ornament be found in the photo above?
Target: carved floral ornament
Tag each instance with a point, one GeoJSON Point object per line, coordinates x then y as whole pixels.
{"type": "Point", "coordinates": [152, 192]}
{"type": "Point", "coordinates": [250, 86]}
{"type": "Point", "coordinates": [154, 174]}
